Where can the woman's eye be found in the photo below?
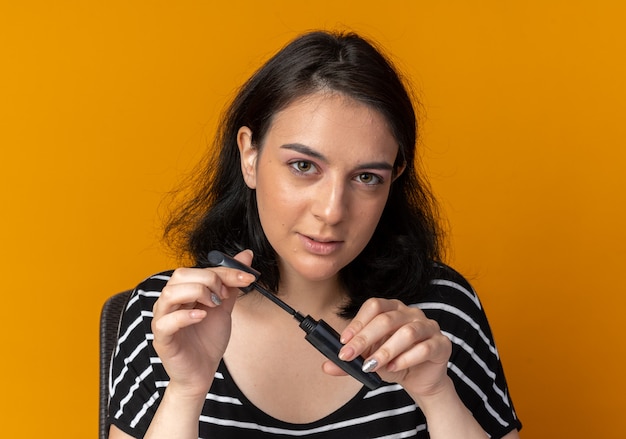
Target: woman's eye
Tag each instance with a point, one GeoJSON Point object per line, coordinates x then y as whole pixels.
{"type": "Point", "coordinates": [370, 179]}
{"type": "Point", "coordinates": [303, 166]}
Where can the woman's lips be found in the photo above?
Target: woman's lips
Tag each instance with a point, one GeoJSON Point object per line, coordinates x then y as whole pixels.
{"type": "Point", "coordinates": [319, 246]}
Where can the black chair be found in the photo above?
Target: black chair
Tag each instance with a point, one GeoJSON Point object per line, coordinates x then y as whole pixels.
{"type": "Point", "coordinates": [109, 329]}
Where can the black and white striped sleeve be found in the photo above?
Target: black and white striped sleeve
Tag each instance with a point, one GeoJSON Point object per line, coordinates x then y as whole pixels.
{"type": "Point", "coordinates": [474, 365]}
{"type": "Point", "coordinates": [137, 379]}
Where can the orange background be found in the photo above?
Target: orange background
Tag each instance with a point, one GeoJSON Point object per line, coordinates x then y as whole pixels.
{"type": "Point", "coordinates": [105, 105]}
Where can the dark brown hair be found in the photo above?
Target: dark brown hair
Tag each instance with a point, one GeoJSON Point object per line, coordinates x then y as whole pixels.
{"type": "Point", "coordinates": [223, 215]}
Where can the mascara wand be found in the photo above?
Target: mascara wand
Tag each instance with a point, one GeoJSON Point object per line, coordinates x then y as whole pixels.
{"type": "Point", "coordinates": [319, 333]}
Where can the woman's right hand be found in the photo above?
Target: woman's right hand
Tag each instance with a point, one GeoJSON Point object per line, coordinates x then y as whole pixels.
{"type": "Point", "coordinates": [192, 323]}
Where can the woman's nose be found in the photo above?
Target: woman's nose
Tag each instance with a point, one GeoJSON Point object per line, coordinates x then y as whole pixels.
{"type": "Point", "coordinates": [330, 204]}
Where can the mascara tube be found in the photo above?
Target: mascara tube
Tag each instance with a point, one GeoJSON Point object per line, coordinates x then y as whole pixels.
{"type": "Point", "coordinates": [319, 333]}
{"type": "Point", "coordinates": [326, 340]}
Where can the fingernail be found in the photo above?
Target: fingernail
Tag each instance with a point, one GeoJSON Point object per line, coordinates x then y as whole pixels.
{"type": "Point", "coordinates": [345, 337]}
{"type": "Point", "coordinates": [197, 314]}
{"type": "Point", "coordinates": [369, 365]}
{"type": "Point", "coordinates": [246, 277]}
{"type": "Point", "coordinates": [346, 354]}
{"type": "Point", "coordinates": [216, 299]}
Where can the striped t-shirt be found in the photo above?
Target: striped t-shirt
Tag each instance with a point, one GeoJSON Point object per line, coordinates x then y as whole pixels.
{"type": "Point", "coordinates": [138, 379]}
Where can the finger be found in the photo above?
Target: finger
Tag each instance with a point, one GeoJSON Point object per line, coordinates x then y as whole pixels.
{"type": "Point", "coordinates": [212, 276]}
{"type": "Point", "coordinates": [245, 257]}
{"type": "Point", "coordinates": [168, 325]}
{"type": "Point", "coordinates": [331, 368]}
{"type": "Point", "coordinates": [373, 334]}
{"type": "Point", "coordinates": [184, 295]}
{"type": "Point", "coordinates": [231, 277]}
{"type": "Point", "coordinates": [420, 337]}
{"type": "Point", "coordinates": [217, 279]}
{"type": "Point", "coordinates": [368, 311]}
{"type": "Point", "coordinates": [436, 349]}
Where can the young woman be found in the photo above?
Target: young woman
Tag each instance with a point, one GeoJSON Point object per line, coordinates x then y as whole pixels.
{"type": "Point", "coordinates": [314, 185]}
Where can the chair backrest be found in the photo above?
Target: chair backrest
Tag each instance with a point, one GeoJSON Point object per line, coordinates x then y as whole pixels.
{"type": "Point", "coordinates": [109, 329]}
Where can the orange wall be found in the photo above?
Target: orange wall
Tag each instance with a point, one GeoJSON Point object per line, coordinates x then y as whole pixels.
{"type": "Point", "coordinates": [104, 105]}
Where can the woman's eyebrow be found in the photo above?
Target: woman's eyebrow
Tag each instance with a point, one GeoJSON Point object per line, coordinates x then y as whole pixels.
{"type": "Point", "coordinates": [383, 166]}
{"type": "Point", "coordinates": [303, 149]}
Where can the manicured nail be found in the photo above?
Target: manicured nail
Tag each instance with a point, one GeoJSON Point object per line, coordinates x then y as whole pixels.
{"type": "Point", "coordinates": [369, 365]}
{"type": "Point", "coordinates": [246, 277]}
{"type": "Point", "coordinates": [216, 299]}
{"type": "Point", "coordinates": [346, 354]}
{"type": "Point", "coordinates": [197, 314]}
{"type": "Point", "coordinates": [345, 337]}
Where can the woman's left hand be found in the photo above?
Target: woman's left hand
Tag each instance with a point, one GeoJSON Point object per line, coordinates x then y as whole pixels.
{"type": "Point", "coordinates": [400, 343]}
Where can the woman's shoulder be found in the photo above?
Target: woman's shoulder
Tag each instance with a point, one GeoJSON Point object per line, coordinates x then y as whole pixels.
{"type": "Point", "coordinates": [155, 282]}
{"type": "Point", "coordinates": [445, 276]}
{"type": "Point", "coordinates": [450, 291]}
{"type": "Point", "coordinates": [453, 303]}
{"type": "Point", "coordinates": [474, 364]}
{"type": "Point", "coordinates": [146, 292]}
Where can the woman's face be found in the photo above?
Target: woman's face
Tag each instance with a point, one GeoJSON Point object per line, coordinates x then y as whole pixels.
{"type": "Point", "coordinates": [322, 177]}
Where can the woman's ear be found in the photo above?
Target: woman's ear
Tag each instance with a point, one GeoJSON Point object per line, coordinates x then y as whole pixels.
{"type": "Point", "coordinates": [248, 154]}
{"type": "Point", "coordinates": [398, 171]}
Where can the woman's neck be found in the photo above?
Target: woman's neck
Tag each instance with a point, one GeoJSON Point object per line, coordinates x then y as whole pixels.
{"type": "Point", "coordinates": [317, 298]}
